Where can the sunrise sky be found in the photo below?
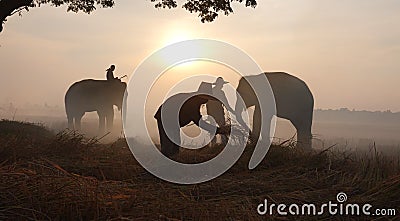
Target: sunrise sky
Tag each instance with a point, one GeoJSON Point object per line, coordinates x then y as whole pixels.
{"type": "Point", "coordinates": [348, 52]}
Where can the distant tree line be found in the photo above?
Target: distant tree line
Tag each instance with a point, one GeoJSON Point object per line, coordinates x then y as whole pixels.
{"type": "Point", "coordinates": [357, 116]}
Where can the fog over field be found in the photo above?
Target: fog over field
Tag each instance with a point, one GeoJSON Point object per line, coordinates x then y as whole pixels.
{"type": "Point", "coordinates": [346, 51]}
{"type": "Point", "coordinates": [347, 128]}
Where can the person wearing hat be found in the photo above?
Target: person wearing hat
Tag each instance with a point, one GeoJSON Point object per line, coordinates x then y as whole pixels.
{"type": "Point", "coordinates": [190, 104]}
{"type": "Point", "coordinates": [110, 73]}
{"type": "Point", "coordinates": [215, 108]}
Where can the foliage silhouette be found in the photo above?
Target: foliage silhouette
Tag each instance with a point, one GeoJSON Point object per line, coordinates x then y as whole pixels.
{"type": "Point", "coordinates": [207, 10]}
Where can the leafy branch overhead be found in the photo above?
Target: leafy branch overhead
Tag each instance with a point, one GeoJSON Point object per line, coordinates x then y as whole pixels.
{"type": "Point", "coordinates": [207, 10]}
{"type": "Point", "coordinates": [11, 7]}
{"type": "Point", "coordinates": [86, 6]}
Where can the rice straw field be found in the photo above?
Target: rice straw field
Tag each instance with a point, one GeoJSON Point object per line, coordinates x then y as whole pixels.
{"type": "Point", "coordinates": [65, 176]}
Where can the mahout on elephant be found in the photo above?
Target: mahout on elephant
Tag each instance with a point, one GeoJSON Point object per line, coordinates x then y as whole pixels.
{"type": "Point", "coordinates": [94, 95]}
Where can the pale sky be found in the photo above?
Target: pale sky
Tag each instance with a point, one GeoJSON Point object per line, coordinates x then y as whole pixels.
{"type": "Point", "coordinates": [348, 52]}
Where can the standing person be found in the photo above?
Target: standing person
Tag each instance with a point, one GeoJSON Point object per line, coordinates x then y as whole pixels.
{"type": "Point", "coordinates": [188, 112]}
{"type": "Point", "coordinates": [215, 108]}
{"type": "Point", "coordinates": [110, 73]}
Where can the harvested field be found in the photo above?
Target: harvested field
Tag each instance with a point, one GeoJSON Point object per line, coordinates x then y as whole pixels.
{"type": "Point", "coordinates": [66, 176]}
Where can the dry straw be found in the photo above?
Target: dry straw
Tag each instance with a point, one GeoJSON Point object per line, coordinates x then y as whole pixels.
{"type": "Point", "coordinates": [69, 177]}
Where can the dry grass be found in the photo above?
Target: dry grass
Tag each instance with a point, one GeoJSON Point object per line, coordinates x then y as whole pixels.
{"type": "Point", "coordinates": [69, 177]}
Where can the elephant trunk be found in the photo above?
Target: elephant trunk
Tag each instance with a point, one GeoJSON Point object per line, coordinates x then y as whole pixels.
{"type": "Point", "coordinates": [239, 108]}
{"type": "Point", "coordinates": [124, 107]}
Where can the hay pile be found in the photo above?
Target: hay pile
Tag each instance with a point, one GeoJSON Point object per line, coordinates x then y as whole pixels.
{"type": "Point", "coordinates": [69, 177]}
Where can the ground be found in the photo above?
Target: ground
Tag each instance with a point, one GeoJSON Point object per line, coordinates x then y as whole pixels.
{"type": "Point", "coordinates": [65, 176]}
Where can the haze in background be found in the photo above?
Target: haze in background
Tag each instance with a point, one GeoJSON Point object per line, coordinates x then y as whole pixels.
{"type": "Point", "coordinates": [346, 51]}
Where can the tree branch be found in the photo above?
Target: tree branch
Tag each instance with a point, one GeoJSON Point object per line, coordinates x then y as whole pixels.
{"type": "Point", "coordinates": [7, 7]}
{"type": "Point", "coordinates": [10, 7]}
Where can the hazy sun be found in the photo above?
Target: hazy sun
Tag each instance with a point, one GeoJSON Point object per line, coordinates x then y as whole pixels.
{"type": "Point", "coordinates": [176, 35]}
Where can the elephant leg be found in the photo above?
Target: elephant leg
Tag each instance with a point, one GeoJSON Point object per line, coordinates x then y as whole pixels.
{"type": "Point", "coordinates": [78, 120]}
{"type": "Point", "coordinates": [306, 135]}
{"type": "Point", "coordinates": [261, 127]}
{"type": "Point", "coordinates": [102, 119]}
{"type": "Point", "coordinates": [110, 119]}
{"type": "Point", "coordinates": [70, 122]}
{"type": "Point", "coordinates": [168, 147]}
{"type": "Point", "coordinates": [303, 128]}
{"type": "Point", "coordinates": [255, 135]}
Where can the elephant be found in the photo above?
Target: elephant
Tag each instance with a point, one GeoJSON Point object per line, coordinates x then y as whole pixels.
{"type": "Point", "coordinates": [94, 95]}
{"type": "Point", "coordinates": [293, 99]}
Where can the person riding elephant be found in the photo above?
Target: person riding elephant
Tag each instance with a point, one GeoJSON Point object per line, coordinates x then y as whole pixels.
{"type": "Point", "coordinates": [94, 95]}
{"type": "Point", "coordinates": [110, 73]}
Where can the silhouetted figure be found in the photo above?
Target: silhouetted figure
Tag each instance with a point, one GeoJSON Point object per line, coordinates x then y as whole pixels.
{"type": "Point", "coordinates": [110, 73]}
{"type": "Point", "coordinates": [215, 108]}
{"type": "Point", "coordinates": [189, 111]}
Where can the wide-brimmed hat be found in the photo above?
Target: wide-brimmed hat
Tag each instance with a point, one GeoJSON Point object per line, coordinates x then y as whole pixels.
{"type": "Point", "coordinates": [220, 81]}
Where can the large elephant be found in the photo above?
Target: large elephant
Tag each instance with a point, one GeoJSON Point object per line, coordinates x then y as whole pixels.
{"type": "Point", "coordinates": [294, 101]}
{"type": "Point", "coordinates": [94, 95]}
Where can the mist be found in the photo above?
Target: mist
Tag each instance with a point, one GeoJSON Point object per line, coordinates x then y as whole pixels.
{"type": "Point", "coordinates": [349, 60]}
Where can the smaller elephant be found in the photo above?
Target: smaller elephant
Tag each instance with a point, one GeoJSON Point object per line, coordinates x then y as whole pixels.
{"type": "Point", "coordinates": [94, 95]}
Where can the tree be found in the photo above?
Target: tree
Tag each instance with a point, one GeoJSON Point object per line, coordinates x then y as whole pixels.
{"type": "Point", "coordinates": [11, 7]}
{"type": "Point", "coordinates": [208, 10]}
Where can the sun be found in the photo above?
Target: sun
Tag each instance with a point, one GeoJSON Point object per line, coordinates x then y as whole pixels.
{"type": "Point", "coordinates": [176, 35]}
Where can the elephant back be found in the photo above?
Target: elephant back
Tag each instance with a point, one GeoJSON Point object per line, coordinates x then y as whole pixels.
{"type": "Point", "coordinates": [90, 94]}
{"type": "Point", "coordinates": [91, 87]}
{"type": "Point", "coordinates": [289, 86]}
